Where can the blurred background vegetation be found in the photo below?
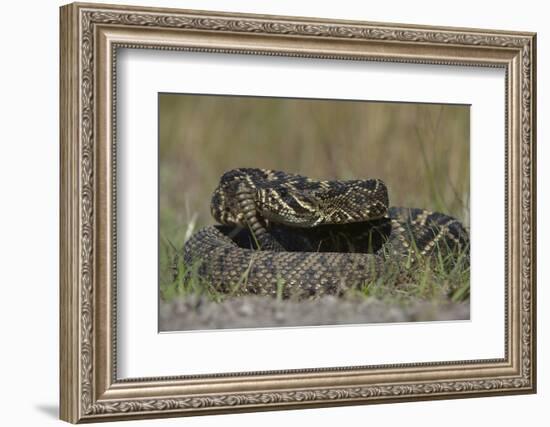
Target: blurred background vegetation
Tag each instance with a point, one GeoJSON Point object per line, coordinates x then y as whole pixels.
{"type": "Point", "coordinates": [421, 151]}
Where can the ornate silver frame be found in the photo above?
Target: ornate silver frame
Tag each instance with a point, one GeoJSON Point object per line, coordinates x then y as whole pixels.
{"type": "Point", "coordinates": [90, 36]}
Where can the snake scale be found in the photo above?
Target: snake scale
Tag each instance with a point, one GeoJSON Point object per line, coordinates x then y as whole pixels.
{"type": "Point", "coordinates": [286, 234]}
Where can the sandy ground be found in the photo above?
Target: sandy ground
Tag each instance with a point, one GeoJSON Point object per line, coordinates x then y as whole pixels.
{"type": "Point", "coordinates": [194, 313]}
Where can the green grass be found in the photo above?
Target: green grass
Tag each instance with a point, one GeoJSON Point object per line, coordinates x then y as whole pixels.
{"type": "Point", "coordinates": [440, 278]}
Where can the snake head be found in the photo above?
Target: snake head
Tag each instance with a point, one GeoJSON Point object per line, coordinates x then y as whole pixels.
{"type": "Point", "coordinates": [336, 202]}
{"type": "Point", "coordinates": [294, 208]}
{"type": "Point", "coordinates": [352, 201]}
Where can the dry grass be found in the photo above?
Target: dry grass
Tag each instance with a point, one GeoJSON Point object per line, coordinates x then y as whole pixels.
{"type": "Point", "coordinates": [421, 151]}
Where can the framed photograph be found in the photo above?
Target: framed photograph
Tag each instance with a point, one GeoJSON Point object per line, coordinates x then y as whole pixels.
{"type": "Point", "coordinates": [265, 212]}
{"type": "Point", "coordinates": [343, 247]}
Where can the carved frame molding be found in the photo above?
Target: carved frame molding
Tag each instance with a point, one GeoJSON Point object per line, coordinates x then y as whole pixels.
{"type": "Point", "coordinates": [90, 37]}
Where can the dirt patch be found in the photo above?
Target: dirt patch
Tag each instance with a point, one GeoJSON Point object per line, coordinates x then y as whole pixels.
{"type": "Point", "coordinates": [194, 313]}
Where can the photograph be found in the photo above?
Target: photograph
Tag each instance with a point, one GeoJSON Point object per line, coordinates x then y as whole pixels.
{"type": "Point", "coordinates": [281, 212]}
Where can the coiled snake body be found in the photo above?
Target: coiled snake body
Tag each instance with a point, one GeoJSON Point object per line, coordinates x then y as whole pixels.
{"type": "Point", "coordinates": [285, 234]}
